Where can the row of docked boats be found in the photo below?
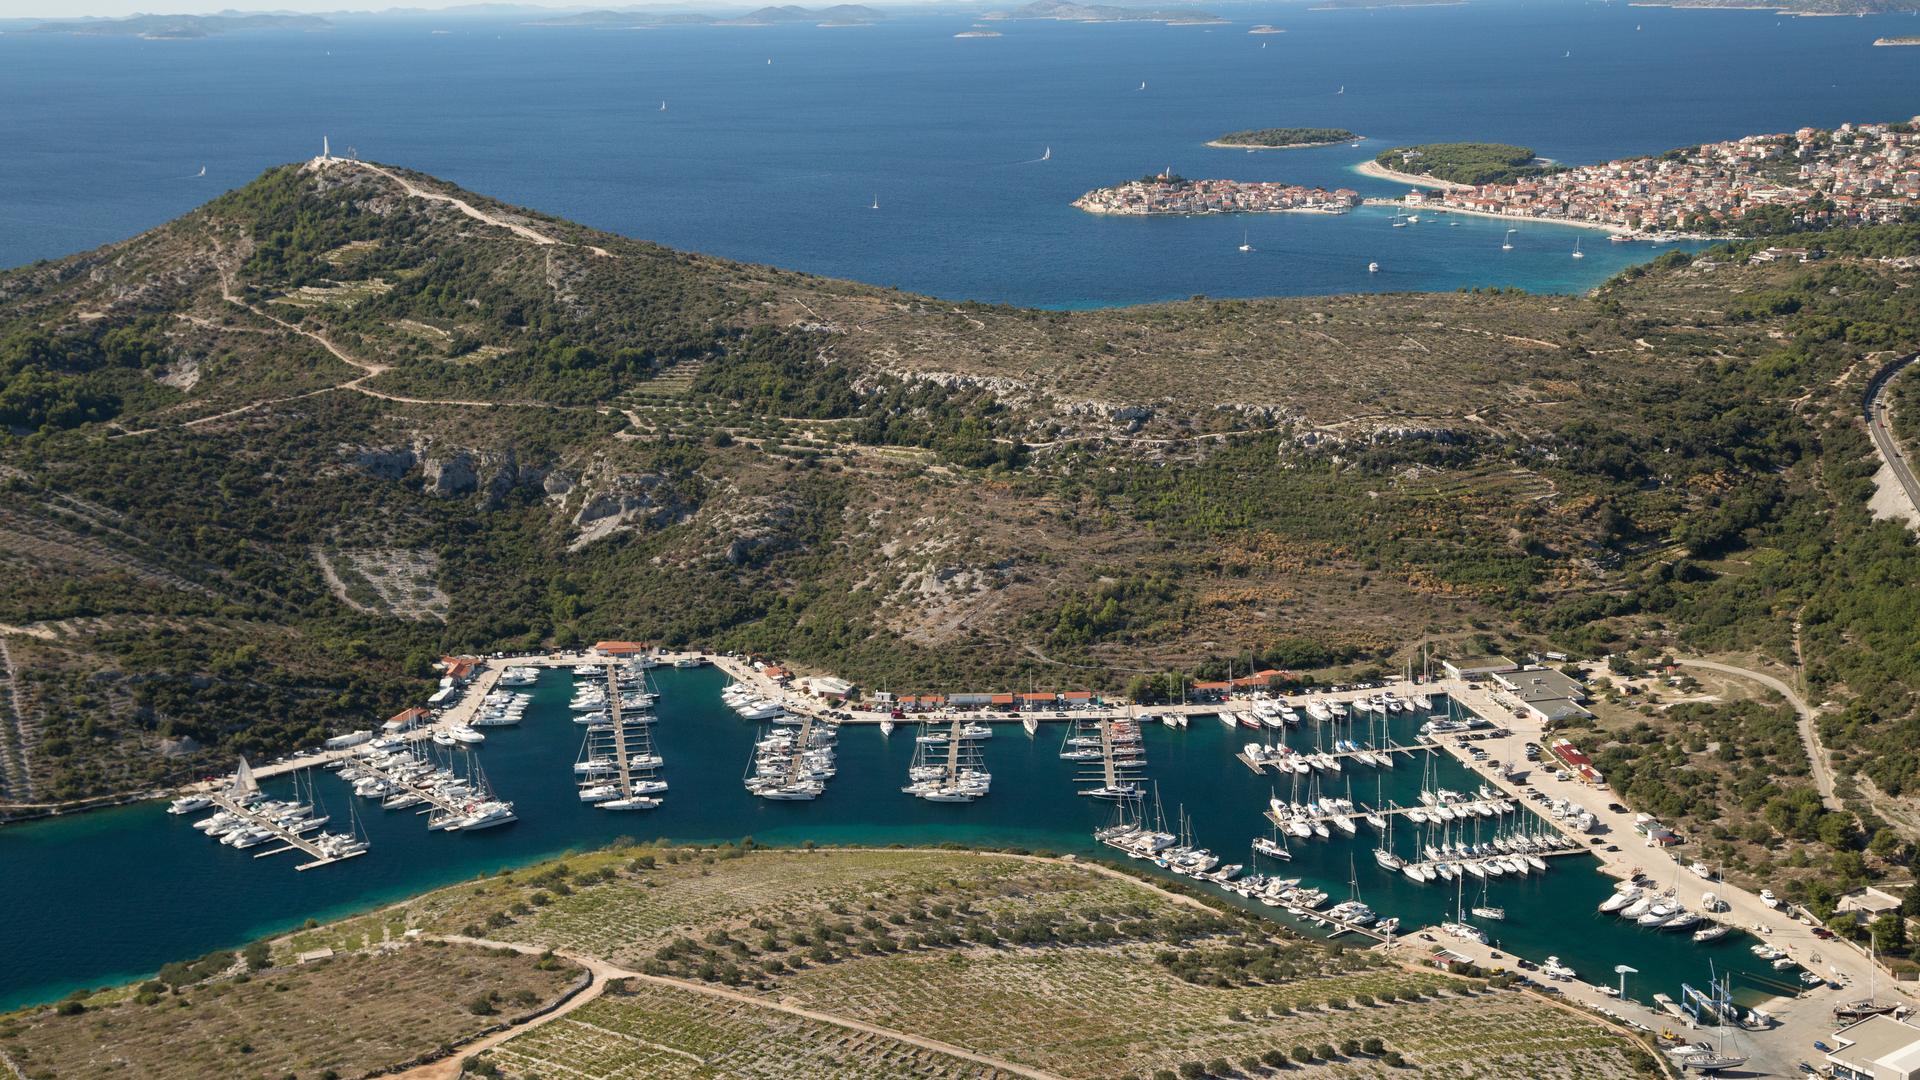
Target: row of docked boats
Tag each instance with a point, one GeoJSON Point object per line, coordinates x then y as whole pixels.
{"type": "Point", "coordinates": [401, 776]}
{"type": "Point", "coordinates": [752, 706]}
{"type": "Point", "coordinates": [618, 767]}
{"type": "Point", "coordinates": [1661, 910]}
{"type": "Point", "coordinates": [1112, 756]}
{"type": "Point", "coordinates": [793, 764]}
{"type": "Point", "coordinates": [518, 677]}
{"type": "Point", "coordinates": [249, 819]}
{"type": "Point", "coordinates": [1284, 759]}
{"type": "Point", "coordinates": [500, 708]}
{"type": "Point", "coordinates": [948, 764]}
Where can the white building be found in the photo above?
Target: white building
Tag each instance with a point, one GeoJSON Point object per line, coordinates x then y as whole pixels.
{"type": "Point", "coordinates": [1877, 1048]}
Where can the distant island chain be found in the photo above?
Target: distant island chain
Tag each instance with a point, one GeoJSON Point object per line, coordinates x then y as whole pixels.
{"type": "Point", "coordinates": [1169, 194]}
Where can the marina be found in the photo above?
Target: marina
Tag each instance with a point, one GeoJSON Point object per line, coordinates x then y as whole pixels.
{"type": "Point", "coordinates": [1036, 805]}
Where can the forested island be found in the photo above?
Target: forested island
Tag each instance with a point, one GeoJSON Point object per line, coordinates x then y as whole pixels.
{"type": "Point", "coordinates": [1284, 138]}
{"type": "Point", "coordinates": [1468, 163]}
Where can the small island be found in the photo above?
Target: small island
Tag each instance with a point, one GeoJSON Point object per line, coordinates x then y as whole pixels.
{"type": "Point", "coordinates": [1283, 138]}
{"type": "Point", "coordinates": [1897, 41]}
{"type": "Point", "coordinates": [1168, 194]}
{"type": "Point", "coordinates": [977, 33]}
{"type": "Point", "coordinates": [1458, 164]}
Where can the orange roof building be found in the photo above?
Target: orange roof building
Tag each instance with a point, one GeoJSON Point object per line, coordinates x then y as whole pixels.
{"type": "Point", "coordinates": [620, 648]}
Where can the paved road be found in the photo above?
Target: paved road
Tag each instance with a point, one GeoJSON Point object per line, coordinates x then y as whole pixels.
{"type": "Point", "coordinates": [1876, 411]}
{"type": "Point", "coordinates": [1809, 731]}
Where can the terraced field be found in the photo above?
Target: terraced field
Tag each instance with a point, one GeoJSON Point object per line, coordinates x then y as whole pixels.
{"type": "Point", "coordinates": [702, 893]}
{"type": "Point", "coordinates": [658, 1033]}
{"type": "Point", "coordinates": [1106, 1012]}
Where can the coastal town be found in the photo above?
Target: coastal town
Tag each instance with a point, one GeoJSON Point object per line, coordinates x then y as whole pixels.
{"type": "Point", "coordinates": [1855, 174]}
{"type": "Point", "coordinates": [1170, 194]}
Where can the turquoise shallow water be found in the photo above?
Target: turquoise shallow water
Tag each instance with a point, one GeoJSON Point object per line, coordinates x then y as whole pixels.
{"type": "Point", "coordinates": [779, 162]}
{"type": "Point", "coordinates": [112, 895]}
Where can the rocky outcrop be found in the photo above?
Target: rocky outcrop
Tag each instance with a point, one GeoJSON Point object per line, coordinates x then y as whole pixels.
{"type": "Point", "coordinates": [449, 476]}
{"type": "Point", "coordinates": [630, 502]}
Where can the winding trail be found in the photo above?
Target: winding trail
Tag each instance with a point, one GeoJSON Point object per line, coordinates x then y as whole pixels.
{"type": "Point", "coordinates": [416, 191]}
{"type": "Point", "coordinates": [449, 1068]}
{"type": "Point", "coordinates": [1809, 732]}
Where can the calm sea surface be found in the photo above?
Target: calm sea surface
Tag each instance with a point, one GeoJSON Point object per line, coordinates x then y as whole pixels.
{"type": "Point", "coordinates": [776, 140]}
{"type": "Point", "coordinates": [114, 894]}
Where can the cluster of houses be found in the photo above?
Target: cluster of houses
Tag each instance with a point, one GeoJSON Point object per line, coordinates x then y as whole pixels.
{"type": "Point", "coordinates": [1864, 173]}
{"type": "Point", "coordinates": [1174, 195]}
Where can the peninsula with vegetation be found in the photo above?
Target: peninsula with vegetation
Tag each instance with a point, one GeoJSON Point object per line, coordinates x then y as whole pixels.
{"type": "Point", "coordinates": [1464, 163]}
{"type": "Point", "coordinates": [1283, 138]}
{"type": "Point", "coordinates": [1166, 193]}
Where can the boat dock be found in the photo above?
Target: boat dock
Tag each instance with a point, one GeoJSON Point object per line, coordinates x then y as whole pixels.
{"type": "Point", "coordinates": [1281, 763]}
{"type": "Point", "coordinates": [436, 801]}
{"type": "Point", "coordinates": [289, 839]}
{"type": "Point", "coordinates": [1462, 812]}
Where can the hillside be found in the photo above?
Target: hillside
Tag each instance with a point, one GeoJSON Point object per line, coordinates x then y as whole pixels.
{"type": "Point", "coordinates": [847, 964]}
{"type": "Point", "coordinates": [272, 458]}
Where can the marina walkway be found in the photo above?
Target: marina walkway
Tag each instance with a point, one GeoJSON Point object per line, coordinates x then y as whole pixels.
{"type": "Point", "coordinates": [288, 838]}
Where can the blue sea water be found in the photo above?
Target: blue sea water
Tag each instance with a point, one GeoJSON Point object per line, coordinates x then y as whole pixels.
{"type": "Point", "coordinates": [112, 895]}
{"type": "Point", "coordinates": [779, 161]}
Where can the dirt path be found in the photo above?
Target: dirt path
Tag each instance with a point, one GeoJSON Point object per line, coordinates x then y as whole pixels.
{"type": "Point", "coordinates": [602, 971]}
{"type": "Point", "coordinates": [524, 232]}
{"type": "Point", "coordinates": [1809, 730]}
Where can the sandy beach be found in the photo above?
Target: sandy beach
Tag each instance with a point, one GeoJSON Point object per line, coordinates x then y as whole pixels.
{"type": "Point", "coordinates": [1380, 172]}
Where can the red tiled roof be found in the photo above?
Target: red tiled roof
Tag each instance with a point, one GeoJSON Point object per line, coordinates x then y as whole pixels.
{"type": "Point", "coordinates": [620, 648]}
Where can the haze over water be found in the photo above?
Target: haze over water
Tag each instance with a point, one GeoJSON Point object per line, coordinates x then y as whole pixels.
{"type": "Point", "coordinates": [780, 162]}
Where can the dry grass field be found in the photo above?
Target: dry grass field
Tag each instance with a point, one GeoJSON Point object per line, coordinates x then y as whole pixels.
{"type": "Point", "coordinates": [346, 1017]}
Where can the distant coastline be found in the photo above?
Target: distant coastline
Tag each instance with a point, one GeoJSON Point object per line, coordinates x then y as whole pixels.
{"type": "Point", "coordinates": [1885, 41]}
{"type": "Point", "coordinates": [1380, 172]}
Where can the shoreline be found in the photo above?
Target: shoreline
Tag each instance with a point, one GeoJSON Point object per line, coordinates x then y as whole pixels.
{"type": "Point", "coordinates": [1636, 235]}
{"type": "Point", "coordinates": [1573, 222]}
{"type": "Point", "coordinates": [1377, 171]}
{"type": "Point", "coordinates": [1218, 145]}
